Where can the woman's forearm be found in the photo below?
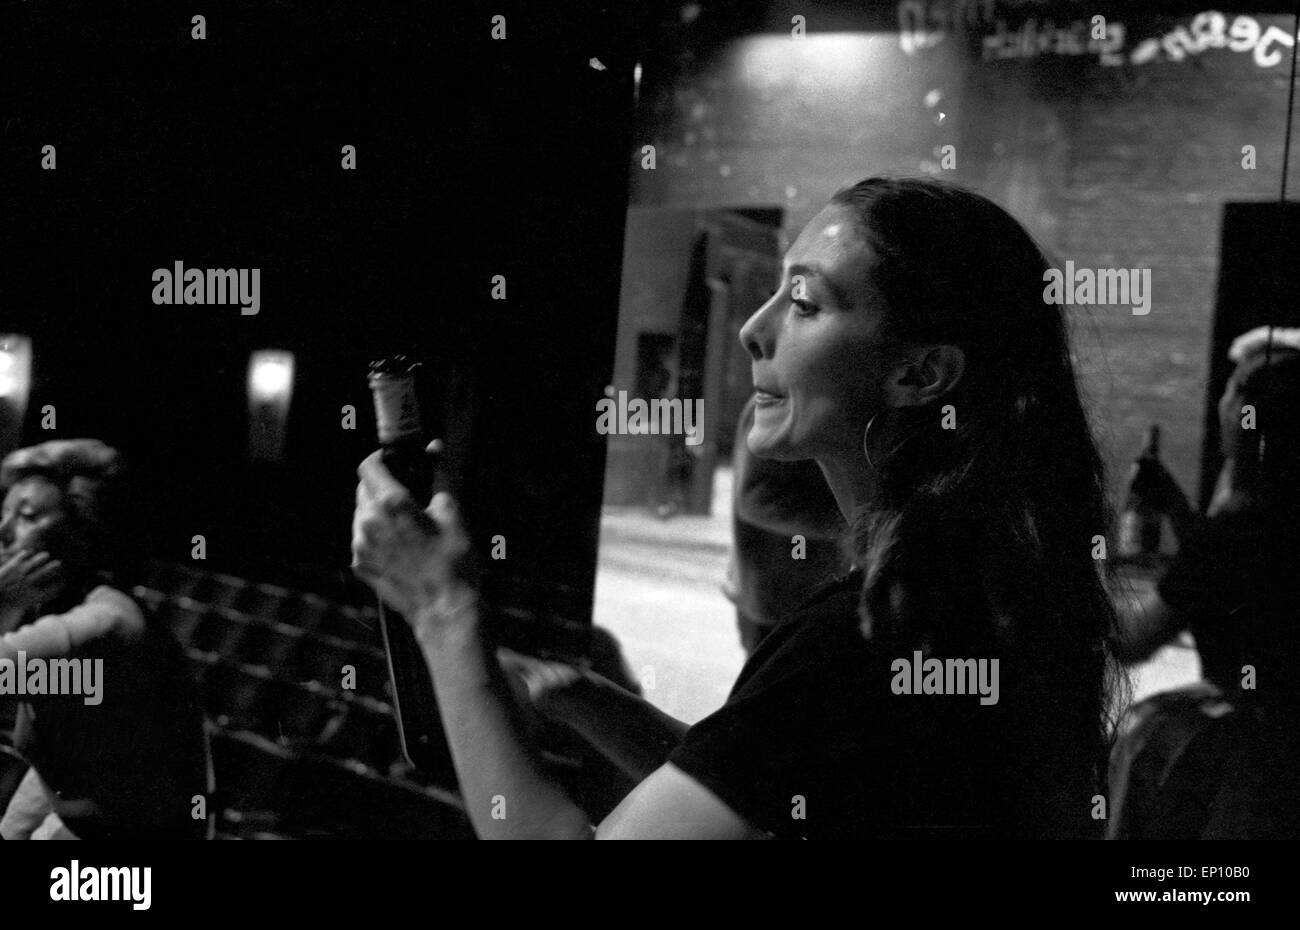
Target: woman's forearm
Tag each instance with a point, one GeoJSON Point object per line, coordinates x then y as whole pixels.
{"type": "Point", "coordinates": [47, 638]}
{"type": "Point", "coordinates": [104, 613]}
{"type": "Point", "coordinates": [506, 789]}
{"type": "Point", "coordinates": [624, 727]}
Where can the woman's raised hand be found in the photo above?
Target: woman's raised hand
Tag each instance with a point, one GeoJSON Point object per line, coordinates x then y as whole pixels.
{"type": "Point", "coordinates": [554, 688]}
{"type": "Point", "coordinates": [416, 560]}
{"type": "Point", "coordinates": [26, 580]}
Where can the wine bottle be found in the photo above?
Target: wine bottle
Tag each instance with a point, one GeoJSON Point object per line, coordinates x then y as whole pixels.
{"type": "Point", "coordinates": [1141, 521]}
{"type": "Point", "coordinates": [393, 386]}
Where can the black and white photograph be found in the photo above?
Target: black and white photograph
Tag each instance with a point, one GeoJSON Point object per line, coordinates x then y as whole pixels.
{"type": "Point", "coordinates": [859, 420]}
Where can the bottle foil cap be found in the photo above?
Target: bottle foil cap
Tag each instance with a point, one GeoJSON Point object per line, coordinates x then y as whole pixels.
{"type": "Point", "coordinates": [397, 410]}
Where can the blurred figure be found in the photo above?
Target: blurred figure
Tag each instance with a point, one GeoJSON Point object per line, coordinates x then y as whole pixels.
{"type": "Point", "coordinates": [1218, 759]}
{"type": "Point", "coordinates": [128, 762]}
{"type": "Point", "coordinates": [657, 378]}
{"type": "Point", "coordinates": [770, 574]}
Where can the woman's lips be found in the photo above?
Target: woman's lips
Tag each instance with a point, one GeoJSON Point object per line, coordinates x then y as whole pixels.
{"type": "Point", "coordinates": [766, 399]}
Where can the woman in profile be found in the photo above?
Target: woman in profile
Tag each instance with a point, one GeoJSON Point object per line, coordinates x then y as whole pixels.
{"type": "Point", "coordinates": [127, 757]}
{"type": "Point", "coordinates": [910, 353]}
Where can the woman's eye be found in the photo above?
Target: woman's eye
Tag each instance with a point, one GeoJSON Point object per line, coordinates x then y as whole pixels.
{"type": "Point", "coordinates": [803, 308]}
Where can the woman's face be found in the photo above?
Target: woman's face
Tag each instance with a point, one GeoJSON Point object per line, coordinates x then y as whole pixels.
{"type": "Point", "coordinates": [33, 518]}
{"type": "Point", "coordinates": [1230, 404]}
{"type": "Point", "coordinates": [818, 350]}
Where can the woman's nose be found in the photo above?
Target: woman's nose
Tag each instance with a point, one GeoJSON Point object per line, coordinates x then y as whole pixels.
{"type": "Point", "coordinates": [756, 335]}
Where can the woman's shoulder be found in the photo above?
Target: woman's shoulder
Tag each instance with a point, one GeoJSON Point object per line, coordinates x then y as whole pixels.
{"type": "Point", "coordinates": [113, 612]}
{"type": "Point", "coordinates": [836, 599]}
{"type": "Point", "coordinates": [814, 716]}
{"type": "Point", "coordinates": [112, 597]}
{"type": "Point", "coordinates": [818, 641]}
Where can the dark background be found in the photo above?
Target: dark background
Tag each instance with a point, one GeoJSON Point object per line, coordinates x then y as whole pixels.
{"type": "Point", "coordinates": [474, 158]}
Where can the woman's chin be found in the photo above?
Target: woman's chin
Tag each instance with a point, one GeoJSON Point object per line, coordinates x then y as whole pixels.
{"type": "Point", "coordinates": [770, 446]}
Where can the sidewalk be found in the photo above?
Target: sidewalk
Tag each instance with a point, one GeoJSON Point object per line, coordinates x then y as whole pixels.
{"type": "Point", "coordinates": [657, 591]}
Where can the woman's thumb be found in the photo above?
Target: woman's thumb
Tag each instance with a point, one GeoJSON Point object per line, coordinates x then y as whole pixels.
{"type": "Point", "coordinates": [443, 509]}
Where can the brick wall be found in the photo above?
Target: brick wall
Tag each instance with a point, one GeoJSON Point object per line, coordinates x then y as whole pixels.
{"type": "Point", "coordinates": [1108, 166]}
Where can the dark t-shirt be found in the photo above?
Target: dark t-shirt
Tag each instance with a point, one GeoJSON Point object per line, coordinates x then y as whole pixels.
{"type": "Point", "coordinates": [813, 728]}
{"type": "Point", "coordinates": [1237, 580]}
{"type": "Point", "coordinates": [130, 766]}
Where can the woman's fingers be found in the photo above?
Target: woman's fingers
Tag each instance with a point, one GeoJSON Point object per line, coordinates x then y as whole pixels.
{"type": "Point", "coordinates": [445, 514]}
{"type": "Point", "coordinates": [514, 659]}
{"type": "Point", "coordinates": [367, 524]}
{"type": "Point", "coordinates": [15, 560]}
{"type": "Point", "coordinates": [408, 555]}
{"type": "Point", "coordinates": [30, 576]}
{"type": "Point", "coordinates": [381, 524]}
{"type": "Point", "coordinates": [542, 675]}
{"type": "Point", "coordinates": [22, 564]}
{"type": "Point", "coordinates": [45, 574]}
{"type": "Point", "coordinates": [35, 560]}
{"type": "Point", "coordinates": [384, 491]}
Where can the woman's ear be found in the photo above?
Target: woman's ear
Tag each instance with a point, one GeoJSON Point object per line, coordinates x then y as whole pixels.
{"type": "Point", "coordinates": [927, 374]}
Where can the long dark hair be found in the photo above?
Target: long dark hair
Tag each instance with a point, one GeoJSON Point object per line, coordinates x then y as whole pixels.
{"type": "Point", "coordinates": [991, 508]}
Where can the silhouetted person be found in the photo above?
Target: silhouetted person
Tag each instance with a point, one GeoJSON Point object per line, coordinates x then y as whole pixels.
{"type": "Point", "coordinates": [1220, 759]}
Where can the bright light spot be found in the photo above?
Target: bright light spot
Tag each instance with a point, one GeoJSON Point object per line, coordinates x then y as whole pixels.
{"type": "Point", "coordinates": [933, 97]}
{"type": "Point", "coordinates": [15, 368]}
{"type": "Point", "coordinates": [270, 376]}
{"type": "Point", "coordinates": [838, 64]}
{"type": "Point", "coordinates": [596, 64]}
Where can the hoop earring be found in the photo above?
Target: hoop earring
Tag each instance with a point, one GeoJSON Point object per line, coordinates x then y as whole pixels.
{"type": "Point", "coordinates": [866, 442]}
